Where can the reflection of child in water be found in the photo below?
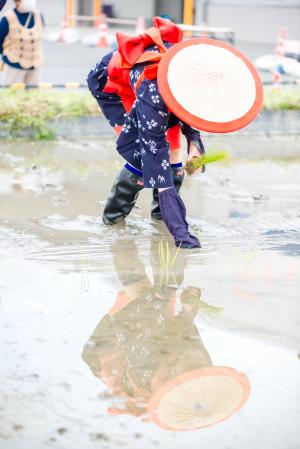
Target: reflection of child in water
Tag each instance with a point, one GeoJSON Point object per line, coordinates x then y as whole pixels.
{"type": "Point", "coordinates": [148, 350]}
{"type": "Point", "coordinates": [142, 342]}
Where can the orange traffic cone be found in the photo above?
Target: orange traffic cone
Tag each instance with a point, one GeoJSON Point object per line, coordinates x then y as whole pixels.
{"type": "Point", "coordinates": [64, 24]}
{"type": "Point", "coordinates": [281, 42]}
{"type": "Point", "coordinates": [279, 54]}
{"type": "Point", "coordinates": [103, 32]}
{"type": "Point", "coordinates": [276, 81]}
{"type": "Point", "coordinates": [140, 25]}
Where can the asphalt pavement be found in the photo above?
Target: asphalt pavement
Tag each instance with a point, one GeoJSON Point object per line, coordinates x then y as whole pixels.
{"type": "Point", "coordinates": [71, 62]}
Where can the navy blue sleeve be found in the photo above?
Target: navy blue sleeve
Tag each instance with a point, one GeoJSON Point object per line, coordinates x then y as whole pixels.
{"type": "Point", "coordinates": [4, 28]}
{"type": "Point", "coordinates": [110, 104]}
{"type": "Point", "coordinates": [192, 136]}
{"type": "Point", "coordinates": [2, 4]}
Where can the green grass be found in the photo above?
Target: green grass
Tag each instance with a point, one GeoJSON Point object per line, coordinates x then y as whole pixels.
{"type": "Point", "coordinates": [20, 109]}
{"type": "Point", "coordinates": [285, 98]}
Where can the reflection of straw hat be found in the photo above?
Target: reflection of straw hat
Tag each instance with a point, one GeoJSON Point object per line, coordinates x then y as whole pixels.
{"type": "Point", "coordinates": [210, 85]}
{"type": "Point", "coordinates": [199, 399]}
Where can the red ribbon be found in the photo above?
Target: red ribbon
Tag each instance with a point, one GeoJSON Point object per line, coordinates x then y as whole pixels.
{"type": "Point", "coordinates": [132, 47]}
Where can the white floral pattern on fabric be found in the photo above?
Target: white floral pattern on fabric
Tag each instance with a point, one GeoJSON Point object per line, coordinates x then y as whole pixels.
{"type": "Point", "coordinates": [152, 87]}
{"type": "Point", "coordinates": [95, 67]}
{"type": "Point", "coordinates": [152, 182]}
{"type": "Point", "coordinates": [155, 99]}
{"type": "Point", "coordinates": [151, 124]}
{"type": "Point", "coordinates": [163, 114]}
{"type": "Point", "coordinates": [161, 180]}
{"type": "Point", "coordinates": [165, 164]}
{"type": "Point", "coordinates": [140, 126]}
{"type": "Point", "coordinates": [149, 298]}
{"type": "Point", "coordinates": [151, 144]}
{"type": "Point", "coordinates": [160, 319]}
{"type": "Point", "coordinates": [132, 120]}
{"type": "Point", "coordinates": [146, 377]}
{"type": "Point", "coordinates": [145, 352]}
{"type": "Point", "coordinates": [126, 128]}
{"type": "Point", "coordinates": [120, 337]}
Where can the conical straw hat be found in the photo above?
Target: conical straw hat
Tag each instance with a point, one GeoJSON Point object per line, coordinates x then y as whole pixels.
{"type": "Point", "coordinates": [210, 85]}
{"type": "Point", "coordinates": [200, 398]}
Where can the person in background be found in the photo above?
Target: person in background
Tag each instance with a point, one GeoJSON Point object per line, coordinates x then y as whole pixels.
{"type": "Point", "coordinates": [21, 43]}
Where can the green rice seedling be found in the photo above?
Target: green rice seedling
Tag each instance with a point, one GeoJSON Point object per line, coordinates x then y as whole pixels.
{"type": "Point", "coordinates": [198, 162]}
{"type": "Point", "coordinates": [167, 261]}
{"type": "Point", "coordinates": [209, 309]}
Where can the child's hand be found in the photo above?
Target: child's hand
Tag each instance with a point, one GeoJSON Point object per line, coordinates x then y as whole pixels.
{"type": "Point", "coordinates": [195, 152]}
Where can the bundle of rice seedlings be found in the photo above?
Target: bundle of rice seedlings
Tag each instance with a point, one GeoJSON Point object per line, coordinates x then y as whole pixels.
{"type": "Point", "coordinates": [198, 162]}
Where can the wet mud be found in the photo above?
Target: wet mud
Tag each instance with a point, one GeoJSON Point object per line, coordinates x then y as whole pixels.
{"type": "Point", "coordinates": [111, 338]}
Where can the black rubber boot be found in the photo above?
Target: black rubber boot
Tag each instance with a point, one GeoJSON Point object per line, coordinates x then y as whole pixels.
{"type": "Point", "coordinates": [178, 176]}
{"type": "Point", "coordinates": [122, 197]}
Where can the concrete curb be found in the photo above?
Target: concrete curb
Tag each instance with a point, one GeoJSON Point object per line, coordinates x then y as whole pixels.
{"type": "Point", "coordinates": [269, 123]}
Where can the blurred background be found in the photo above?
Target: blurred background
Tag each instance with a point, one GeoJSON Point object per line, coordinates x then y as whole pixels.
{"type": "Point", "coordinates": [253, 26]}
{"type": "Point", "coordinates": [252, 20]}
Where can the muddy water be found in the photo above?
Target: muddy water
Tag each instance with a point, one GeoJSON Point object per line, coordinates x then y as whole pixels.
{"type": "Point", "coordinates": [106, 343]}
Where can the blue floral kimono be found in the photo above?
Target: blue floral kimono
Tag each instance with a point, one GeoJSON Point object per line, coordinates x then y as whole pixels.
{"type": "Point", "coordinates": [142, 142]}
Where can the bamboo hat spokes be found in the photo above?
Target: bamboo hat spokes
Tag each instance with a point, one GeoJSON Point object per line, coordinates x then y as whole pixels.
{"type": "Point", "coordinates": [199, 398]}
{"type": "Point", "coordinates": [210, 85]}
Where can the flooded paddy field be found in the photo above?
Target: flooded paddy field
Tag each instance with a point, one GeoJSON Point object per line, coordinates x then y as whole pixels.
{"type": "Point", "coordinates": [107, 342]}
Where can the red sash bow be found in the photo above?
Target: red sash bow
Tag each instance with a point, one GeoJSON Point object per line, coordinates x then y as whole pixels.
{"type": "Point", "coordinates": [132, 47]}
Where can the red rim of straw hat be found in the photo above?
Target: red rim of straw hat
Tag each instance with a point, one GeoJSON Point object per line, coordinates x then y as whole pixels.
{"type": "Point", "coordinates": [154, 402]}
{"type": "Point", "coordinates": [197, 122]}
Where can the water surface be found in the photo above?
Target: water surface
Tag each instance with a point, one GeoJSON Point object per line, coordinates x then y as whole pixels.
{"type": "Point", "coordinates": [96, 325]}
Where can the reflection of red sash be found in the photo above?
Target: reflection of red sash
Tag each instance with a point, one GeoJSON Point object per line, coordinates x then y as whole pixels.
{"type": "Point", "coordinates": [122, 300]}
{"type": "Point", "coordinates": [119, 70]}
